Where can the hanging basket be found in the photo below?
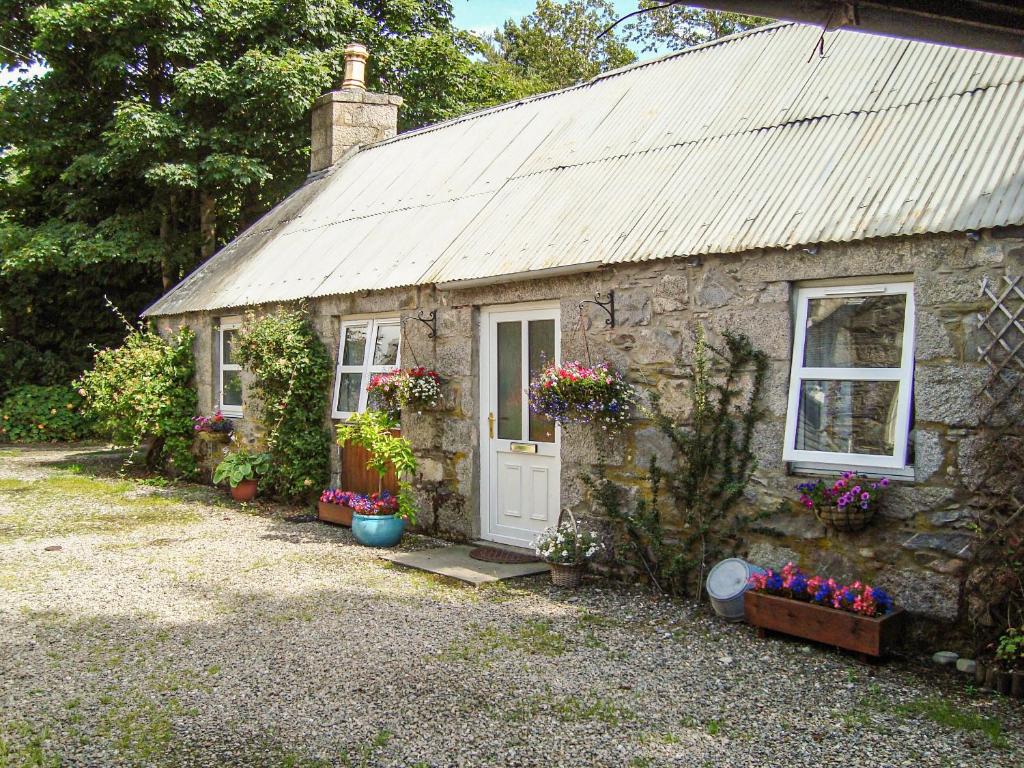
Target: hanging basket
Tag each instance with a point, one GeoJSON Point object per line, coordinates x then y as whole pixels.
{"type": "Point", "coordinates": [850, 518]}
{"type": "Point", "coordinates": [568, 575]}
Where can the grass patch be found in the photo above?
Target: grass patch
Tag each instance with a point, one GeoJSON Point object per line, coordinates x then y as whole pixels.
{"type": "Point", "coordinates": [571, 709]}
{"type": "Point", "coordinates": [945, 714]}
{"type": "Point", "coordinates": [873, 706]}
{"type": "Point", "coordinates": [23, 747]}
{"type": "Point", "coordinates": [32, 576]}
{"type": "Point", "coordinates": [501, 592]}
{"type": "Point", "coordinates": [67, 504]}
{"type": "Point", "coordinates": [533, 638]}
{"type": "Point", "coordinates": [9, 454]}
{"type": "Point", "coordinates": [362, 756]}
{"type": "Point", "coordinates": [575, 710]}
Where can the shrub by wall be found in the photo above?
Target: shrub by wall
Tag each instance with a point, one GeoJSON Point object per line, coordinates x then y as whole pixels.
{"type": "Point", "coordinates": [36, 414]}
{"type": "Point", "coordinates": [143, 390]}
{"type": "Point", "coordinates": [290, 370]}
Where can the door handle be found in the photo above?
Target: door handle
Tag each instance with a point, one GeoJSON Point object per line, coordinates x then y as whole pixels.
{"type": "Point", "coordinates": [490, 425]}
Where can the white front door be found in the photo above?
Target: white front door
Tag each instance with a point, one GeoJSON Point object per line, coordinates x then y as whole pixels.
{"type": "Point", "coordinates": [520, 465]}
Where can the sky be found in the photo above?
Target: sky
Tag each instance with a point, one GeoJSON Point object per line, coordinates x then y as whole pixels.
{"type": "Point", "coordinates": [486, 15]}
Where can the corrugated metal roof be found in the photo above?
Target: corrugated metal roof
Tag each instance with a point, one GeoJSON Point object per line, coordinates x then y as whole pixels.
{"type": "Point", "coordinates": [736, 145]}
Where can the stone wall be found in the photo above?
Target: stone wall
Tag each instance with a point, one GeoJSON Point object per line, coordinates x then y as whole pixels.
{"type": "Point", "coordinates": [919, 545]}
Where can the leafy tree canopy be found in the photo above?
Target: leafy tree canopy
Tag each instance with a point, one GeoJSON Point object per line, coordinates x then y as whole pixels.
{"type": "Point", "coordinates": [677, 26]}
{"type": "Point", "coordinates": [159, 128]}
{"type": "Point", "coordinates": [558, 44]}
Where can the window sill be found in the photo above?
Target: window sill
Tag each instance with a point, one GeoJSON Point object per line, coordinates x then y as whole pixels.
{"type": "Point", "coordinates": [815, 469]}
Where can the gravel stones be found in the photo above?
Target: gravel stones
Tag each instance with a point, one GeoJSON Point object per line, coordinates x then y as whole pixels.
{"type": "Point", "coordinates": [232, 638]}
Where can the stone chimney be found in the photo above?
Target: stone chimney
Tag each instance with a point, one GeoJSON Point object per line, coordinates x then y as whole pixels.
{"type": "Point", "coordinates": [351, 116]}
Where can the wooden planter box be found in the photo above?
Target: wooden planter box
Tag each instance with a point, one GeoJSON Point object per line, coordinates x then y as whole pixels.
{"type": "Point", "coordinates": [357, 478]}
{"type": "Point", "coordinates": [861, 634]}
{"type": "Point", "coordinates": [338, 514]}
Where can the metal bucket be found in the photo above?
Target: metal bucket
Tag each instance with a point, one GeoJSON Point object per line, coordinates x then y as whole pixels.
{"type": "Point", "coordinates": [726, 583]}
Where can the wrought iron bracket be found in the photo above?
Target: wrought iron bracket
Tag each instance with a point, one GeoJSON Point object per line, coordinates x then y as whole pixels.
{"type": "Point", "coordinates": [608, 305]}
{"type": "Point", "coordinates": [430, 321]}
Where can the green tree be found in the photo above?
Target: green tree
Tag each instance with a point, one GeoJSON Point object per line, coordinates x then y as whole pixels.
{"type": "Point", "coordinates": [558, 45]}
{"type": "Point", "coordinates": [159, 128]}
{"type": "Point", "coordinates": [679, 26]}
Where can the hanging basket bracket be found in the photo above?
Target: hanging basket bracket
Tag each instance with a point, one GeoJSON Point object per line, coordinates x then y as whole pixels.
{"type": "Point", "coordinates": [607, 304]}
{"type": "Point", "coordinates": [429, 320]}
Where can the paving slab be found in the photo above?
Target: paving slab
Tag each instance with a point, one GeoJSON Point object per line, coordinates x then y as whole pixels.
{"type": "Point", "coordinates": [456, 563]}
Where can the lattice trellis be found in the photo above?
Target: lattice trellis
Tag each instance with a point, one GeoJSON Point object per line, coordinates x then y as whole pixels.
{"type": "Point", "coordinates": [1004, 353]}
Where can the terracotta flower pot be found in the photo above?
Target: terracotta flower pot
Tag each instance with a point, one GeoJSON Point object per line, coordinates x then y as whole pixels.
{"type": "Point", "coordinates": [339, 514]}
{"type": "Point", "coordinates": [244, 491]}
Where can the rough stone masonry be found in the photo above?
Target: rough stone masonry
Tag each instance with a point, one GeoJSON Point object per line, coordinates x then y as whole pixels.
{"type": "Point", "coordinates": [919, 546]}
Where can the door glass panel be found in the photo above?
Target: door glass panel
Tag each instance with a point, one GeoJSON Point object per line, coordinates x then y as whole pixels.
{"type": "Point", "coordinates": [348, 392]}
{"type": "Point", "coordinates": [510, 381]}
{"type": "Point", "coordinates": [385, 349]}
{"type": "Point", "coordinates": [355, 346]}
{"type": "Point", "coordinates": [227, 354]}
{"type": "Point", "coordinates": [855, 332]}
{"type": "Point", "coordinates": [848, 417]}
{"type": "Point", "coordinates": [541, 339]}
{"type": "Point", "coordinates": [232, 388]}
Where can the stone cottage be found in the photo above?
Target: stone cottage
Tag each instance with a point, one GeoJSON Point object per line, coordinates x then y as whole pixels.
{"type": "Point", "coordinates": [839, 209]}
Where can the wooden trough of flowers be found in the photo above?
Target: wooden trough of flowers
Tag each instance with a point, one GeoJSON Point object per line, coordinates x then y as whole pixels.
{"type": "Point", "coordinates": [856, 617]}
{"type": "Point", "coordinates": [868, 635]}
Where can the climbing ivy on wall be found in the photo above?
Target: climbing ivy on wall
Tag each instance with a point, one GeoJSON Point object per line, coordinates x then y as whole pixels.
{"type": "Point", "coordinates": [713, 461]}
{"type": "Point", "coordinates": [290, 370]}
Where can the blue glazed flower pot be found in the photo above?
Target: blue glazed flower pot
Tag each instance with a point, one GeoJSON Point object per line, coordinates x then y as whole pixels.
{"type": "Point", "coordinates": [377, 530]}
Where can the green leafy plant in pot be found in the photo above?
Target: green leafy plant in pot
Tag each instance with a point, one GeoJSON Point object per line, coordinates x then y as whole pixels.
{"type": "Point", "coordinates": [1010, 662]}
{"type": "Point", "coordinates": [382, 525]}
{"type": "Point", "coordinates": [241, 469]}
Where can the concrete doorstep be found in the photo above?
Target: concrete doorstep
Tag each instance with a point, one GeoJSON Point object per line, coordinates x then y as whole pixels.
{"type": "Point", "coordinates": [456, 563]}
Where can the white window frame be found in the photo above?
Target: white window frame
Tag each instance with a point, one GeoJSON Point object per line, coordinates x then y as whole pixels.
{"type": "Point", "coordinates": [904, 375]}
{"type": "Point", "coordinates": [235, 411]}
{"type": "Point", "coordinates": [366, 369]}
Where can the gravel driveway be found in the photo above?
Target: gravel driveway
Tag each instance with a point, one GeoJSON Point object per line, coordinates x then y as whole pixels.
{"type": "Point", "coordinates": [173, 627]}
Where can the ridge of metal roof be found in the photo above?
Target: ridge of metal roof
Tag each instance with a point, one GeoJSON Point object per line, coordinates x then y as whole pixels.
{"type": "Point", "coordinates": [882, 137]}
{"type": "Point", "coordinates": [626, 68]}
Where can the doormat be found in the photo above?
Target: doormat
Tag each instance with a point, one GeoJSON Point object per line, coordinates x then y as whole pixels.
{"type": "Point", "coordinates": [495, 555]}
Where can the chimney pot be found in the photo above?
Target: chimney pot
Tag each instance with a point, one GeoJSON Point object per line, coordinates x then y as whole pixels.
{"type": "Point", "coordinates": [350, 117]}
{"type": "Point", "coordinates": [355, 66]}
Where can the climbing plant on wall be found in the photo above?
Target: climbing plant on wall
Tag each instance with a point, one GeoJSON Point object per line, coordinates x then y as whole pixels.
{"type": "Point", "coordinates": [290, 369]}
{"type": "Point", "coordinates": [713, 461]}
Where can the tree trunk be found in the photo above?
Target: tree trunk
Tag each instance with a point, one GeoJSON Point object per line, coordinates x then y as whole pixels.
{"type": "Point", "coordinates": [207, 225]}
{"type": "Point", "coordinates": [166, 275]}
